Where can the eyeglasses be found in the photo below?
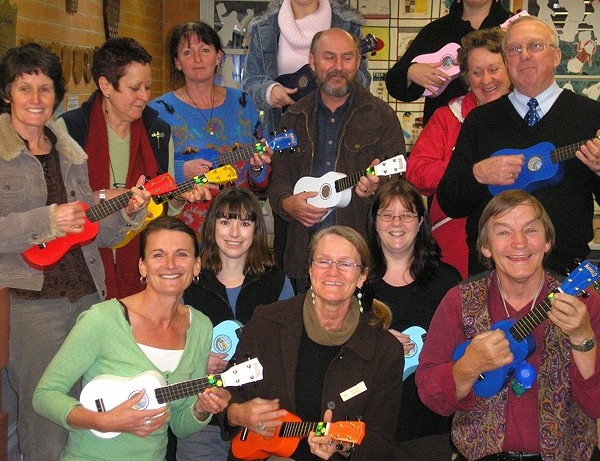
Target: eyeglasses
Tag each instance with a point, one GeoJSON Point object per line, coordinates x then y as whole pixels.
{"type": "Point", "coordinates": [404, 217]}
{"type": "Point", "coordinates": [531, 47]}
{"type": "Point", "coordinates": [345, 266]}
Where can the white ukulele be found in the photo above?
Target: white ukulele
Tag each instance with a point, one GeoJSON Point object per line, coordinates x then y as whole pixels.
{"type": "Point", "coordinates": [105, 392]}
{"type": "Point", "coordinates": [335, 188]}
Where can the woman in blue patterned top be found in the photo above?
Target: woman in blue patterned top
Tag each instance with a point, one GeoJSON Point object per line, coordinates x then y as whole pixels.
{"type": "Point", "coordinates": [207, 120]}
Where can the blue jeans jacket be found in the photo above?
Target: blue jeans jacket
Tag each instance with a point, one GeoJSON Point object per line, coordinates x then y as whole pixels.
{"type": "Point", "coordinates": [260, 69]}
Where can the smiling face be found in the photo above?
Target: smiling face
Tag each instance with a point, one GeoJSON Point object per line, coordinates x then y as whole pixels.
{"type": "Point", "coordinates": [531, 73]}
{"type": "Point", "coordinates": [331, 285]}
{"type": "Point", "coordinates": [487, 75]}
{"type": "Point", "coordinates": [397, 237]}
{"type": "Point", "coordinates": [128, 102]}
{"type": "Point", "coordinates": [197, 60]}
{"type": "Point", "coordinates": [517, 243]}
{"type": "Point", "coordinates": [234, 237]}
{"type": "Point", "coordinates": [32, 99]}
{"type": "Point", "coordinates": [169, 262]}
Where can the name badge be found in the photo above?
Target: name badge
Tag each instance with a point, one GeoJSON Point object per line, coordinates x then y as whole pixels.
{"type": "Point", "coordinates": [353, 391]}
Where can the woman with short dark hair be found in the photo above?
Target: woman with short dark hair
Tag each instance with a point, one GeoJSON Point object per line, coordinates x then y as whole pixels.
{"type": "Point", "coordinates": [44, 191]}
{"type": "Point", "coordinates": [124, 139]}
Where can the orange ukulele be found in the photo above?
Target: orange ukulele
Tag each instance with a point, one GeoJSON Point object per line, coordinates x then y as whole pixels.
{"type": "Point", "coordinates": [46, 254]}
{"type": "Point", "coordinates": [249, 445]}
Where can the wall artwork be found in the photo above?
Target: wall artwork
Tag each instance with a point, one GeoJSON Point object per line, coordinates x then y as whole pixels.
{"type": "Point", "coordinates": [231, 19]}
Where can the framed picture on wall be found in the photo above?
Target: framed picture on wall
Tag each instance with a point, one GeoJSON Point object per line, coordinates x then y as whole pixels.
{"type": "Point", "coordinates": [374, 9]}
{"type": "Point", "coordinates": [414, 9]}
{"type": "Point", "coordinates": [230, 18]}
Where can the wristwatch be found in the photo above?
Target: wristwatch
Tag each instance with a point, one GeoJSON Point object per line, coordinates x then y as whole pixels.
{"type": "Point", "coordinates": [586, 345]}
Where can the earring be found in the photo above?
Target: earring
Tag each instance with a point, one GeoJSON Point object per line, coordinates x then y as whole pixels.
{"type": "Point", "coordinates": [365, 295]}
{"type": "Point", "coordinates": [359, 295]}
{"type": "Point", "coordinates": [106, 96]}
{"type": "Point", "coordinates": [143, 280]}
{"type": "Point", "coordinates": [196, 279]}
{"type": "Point", "coordinates": [312, 295]}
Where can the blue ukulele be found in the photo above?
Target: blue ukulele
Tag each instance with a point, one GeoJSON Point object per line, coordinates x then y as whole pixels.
{"type": "Point", "coordinates": [411, 360]}
{"type": "Point", "coordinates": [226, 336]}
{"type": "Point", "coordinates": [520, 341]}
{"type": "Point", "coordinates": [282, 141]}
{"type": "Point", "coordinates": [542, 166]}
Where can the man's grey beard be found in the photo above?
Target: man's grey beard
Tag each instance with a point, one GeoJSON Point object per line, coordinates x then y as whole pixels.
{"type": "Point", "coordinates": [336, 92]}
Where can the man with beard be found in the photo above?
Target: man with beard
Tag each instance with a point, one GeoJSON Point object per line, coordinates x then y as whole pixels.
{"type": "Point", "coordinates": [340, 127]}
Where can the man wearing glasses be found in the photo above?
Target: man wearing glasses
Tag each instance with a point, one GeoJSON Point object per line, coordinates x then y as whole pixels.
{"type": "Point", "coordinates": [537, 111]}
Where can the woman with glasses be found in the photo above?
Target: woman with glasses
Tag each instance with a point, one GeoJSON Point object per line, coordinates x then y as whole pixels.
{"type": "Point", "coordinates": [325, 357]}
{"type": "Point", "coordinates": [408, 276]}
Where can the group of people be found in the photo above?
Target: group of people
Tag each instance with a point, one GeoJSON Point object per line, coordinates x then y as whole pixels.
{"type": "Point", "coordinates": [341, 290]}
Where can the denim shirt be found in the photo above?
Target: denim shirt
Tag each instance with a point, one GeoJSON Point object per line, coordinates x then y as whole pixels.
{"type": "Point", "coordinates": [25, 220]}
{"type": "Point", "coordinates": [260, 69]}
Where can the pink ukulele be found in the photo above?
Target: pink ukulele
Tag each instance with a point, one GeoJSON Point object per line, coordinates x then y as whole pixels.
{"type": "Point", "coordinates": [447, 55]}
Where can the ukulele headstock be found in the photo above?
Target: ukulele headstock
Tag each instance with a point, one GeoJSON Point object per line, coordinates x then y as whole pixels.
{"type": "Point", "coordinates": [583, 276]}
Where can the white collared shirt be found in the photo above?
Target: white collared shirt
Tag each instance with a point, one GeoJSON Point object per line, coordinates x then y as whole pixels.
{"type": "Point", "coordinates": [545, 100]}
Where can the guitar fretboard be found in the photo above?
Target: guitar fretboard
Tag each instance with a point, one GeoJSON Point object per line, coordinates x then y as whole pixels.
{"type": "Point", "coordinates": [350, 181]}
{"type": "Point", "coordinates": [527, 324]}
{"type": "Point", "coordinates": [186, 388]}
{"type": "Point", "coordinates": [566, 152]}
{"type": "Point", "coordinates": [108, 207]}
{"type": "Point", "coordinates": [301, 429]}
{"type": "Point", "coordinates": [181, 189]}
{"type": "Point", "coordinates": [236, 155]}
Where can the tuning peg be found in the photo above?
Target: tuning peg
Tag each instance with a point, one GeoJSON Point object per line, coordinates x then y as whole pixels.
{"type": "Point", "coordinates": [585, 294]}
{"type": "Point", "coordinates": [567, 270]}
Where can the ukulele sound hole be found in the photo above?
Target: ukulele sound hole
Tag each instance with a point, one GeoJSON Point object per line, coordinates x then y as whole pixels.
{"type": "Point", "coordinates": [447, 61]}
{"type": "Point", "coordinates": [326, 191]}
{"type": "Point", "coordinates": [303, 81]}
{"type": "Point", "coordinates": [142, 404]}
{"type": "Point", "coordinates": [413, 352]}
{"type": "Point", "coordinates": [534, 163]}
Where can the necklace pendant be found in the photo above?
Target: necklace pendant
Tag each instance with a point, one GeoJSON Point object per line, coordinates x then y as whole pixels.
{"type": "Point", "coordinates": [211, 127]}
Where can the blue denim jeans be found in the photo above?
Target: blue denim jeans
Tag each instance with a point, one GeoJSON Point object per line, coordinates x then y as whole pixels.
{"type": "Point", "coordinates": [37, 330]}
{"type": "Point", "coordinates": [205, 444]}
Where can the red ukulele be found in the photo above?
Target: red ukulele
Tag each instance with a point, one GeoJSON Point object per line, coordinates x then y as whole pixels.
{"type": "Point", "coordinates": [44, 255]}
{"type": "Point", "coordinates": [249, 445]}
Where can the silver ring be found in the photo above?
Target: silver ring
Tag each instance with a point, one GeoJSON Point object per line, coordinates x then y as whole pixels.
{"type": "Point", "coordinates": [147, 422]}
{"type": "Point", "coordinates": [366, 189]}
{"type": "Point", "coordinates": [261, 427]}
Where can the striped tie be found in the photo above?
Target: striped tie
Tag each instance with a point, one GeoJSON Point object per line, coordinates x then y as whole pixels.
{"type": "Point", "coordinates": [532, 116]}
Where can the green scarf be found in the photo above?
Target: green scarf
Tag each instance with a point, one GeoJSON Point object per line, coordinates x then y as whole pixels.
{"type": "Point", "coordinates": [324, 337]}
